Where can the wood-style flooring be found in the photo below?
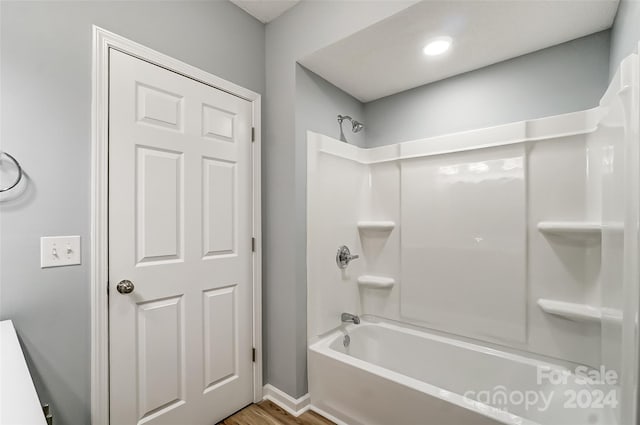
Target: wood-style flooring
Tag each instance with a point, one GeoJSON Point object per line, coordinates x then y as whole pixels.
{"type": "Point", "coordinates": [268, 413]}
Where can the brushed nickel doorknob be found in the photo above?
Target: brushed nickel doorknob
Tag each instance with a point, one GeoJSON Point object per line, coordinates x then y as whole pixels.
{"type": "Point", "coordinates": [125, 287]}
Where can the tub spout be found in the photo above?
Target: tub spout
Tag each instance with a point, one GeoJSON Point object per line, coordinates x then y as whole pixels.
{"type": "Point", "coordinates": [348, 317]}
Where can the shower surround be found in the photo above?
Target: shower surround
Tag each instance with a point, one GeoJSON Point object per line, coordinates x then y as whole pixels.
{"type": "Point", "coordinates": [512, 245]}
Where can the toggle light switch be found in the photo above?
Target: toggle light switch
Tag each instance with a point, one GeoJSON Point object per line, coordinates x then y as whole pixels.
{"type": "Point", "coordinates": [56, 251]}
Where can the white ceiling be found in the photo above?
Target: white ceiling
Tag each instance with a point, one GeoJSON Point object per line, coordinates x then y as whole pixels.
{"type": "Point", "coordinates": [387, 58]}
{"type": "Point", "coordinates": [265, 10]}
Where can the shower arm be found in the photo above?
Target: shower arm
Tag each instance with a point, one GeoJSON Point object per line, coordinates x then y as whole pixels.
{"type": "Point", "coordinates": [356, 126]}
{"type": "Point", "coordinates": [344, 117]}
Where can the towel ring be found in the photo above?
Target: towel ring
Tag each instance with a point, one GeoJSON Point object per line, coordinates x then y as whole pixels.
{"type": "Point", "coordinates": [15, 183]}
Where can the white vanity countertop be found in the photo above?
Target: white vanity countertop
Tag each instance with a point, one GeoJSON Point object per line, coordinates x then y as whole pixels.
{"type": "Point", "coordinates": [19, 403]}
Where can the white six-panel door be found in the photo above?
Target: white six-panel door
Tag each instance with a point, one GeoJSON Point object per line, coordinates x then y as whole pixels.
{"type": "Point", "coordinates": [180, 224]}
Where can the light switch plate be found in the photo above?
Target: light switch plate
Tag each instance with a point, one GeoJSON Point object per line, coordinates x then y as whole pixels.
{"type": "Point", "coordinates": [56, 251]}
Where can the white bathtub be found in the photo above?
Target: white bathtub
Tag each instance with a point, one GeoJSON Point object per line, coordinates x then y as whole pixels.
{"type": "Point", "coordinates": [393, 375]}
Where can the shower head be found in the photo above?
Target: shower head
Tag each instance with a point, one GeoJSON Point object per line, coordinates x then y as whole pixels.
{"type": "Point", "coordinates": [356, 126]}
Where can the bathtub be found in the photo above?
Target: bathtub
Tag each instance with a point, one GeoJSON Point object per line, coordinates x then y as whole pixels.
{"type": "Point", "coordinates": [394, 375]}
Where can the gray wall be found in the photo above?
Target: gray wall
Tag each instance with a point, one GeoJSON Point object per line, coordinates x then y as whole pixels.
{"type": "Point", "coordinates": [318, 102]}
{"type": "Point", "coordinates": [304, 29]}
{"type": "Point", "coordinates": [625, 33]}
{"type": "Point", "coordinates": [564, 78]}
{"type": "Point", "coordinates": [46, 117]}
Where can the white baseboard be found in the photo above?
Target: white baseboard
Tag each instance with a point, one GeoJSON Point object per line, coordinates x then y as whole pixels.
{"type": "Point", "coordinates": [327, 415]}
{"type": "Point", "coordinates": [294, 406]}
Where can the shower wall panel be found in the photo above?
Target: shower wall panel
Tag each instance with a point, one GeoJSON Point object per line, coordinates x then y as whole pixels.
{"type": "Point", "coordinates": [522, 236]}
{"type": "Point", "coordinates": [464, 242]}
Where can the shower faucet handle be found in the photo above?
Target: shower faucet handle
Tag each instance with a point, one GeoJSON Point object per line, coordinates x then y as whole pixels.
{"type": "Point", "coordinates": [344, 257]}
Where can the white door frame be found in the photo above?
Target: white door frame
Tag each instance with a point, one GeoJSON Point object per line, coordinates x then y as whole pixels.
{"type": "Point", "coordinates": [103, 41]}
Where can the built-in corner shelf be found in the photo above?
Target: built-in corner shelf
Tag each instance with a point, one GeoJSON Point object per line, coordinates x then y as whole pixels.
{"type": "Point", "coordinates": [376, 282]}
{"type": "Point", "coordinates": [574, 229]}
{"type": "Point", "coordinates": [376, 226]}
{"type": "Point", "coordinates": [571, 311]}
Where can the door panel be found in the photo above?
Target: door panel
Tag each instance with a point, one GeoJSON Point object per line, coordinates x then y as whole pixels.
{"type": "Point", "coordinates": [158, 107]}
{"type": "Point", "coordinates": [159, 217]}
{"type": "Point", "coordinates": [220, 336]}
{"type": "Point", "coordinates": [219, 207]}
{"type": "Point", "coordinates": [180, 227]}
{"type": "Point", "coordinates": [217, 123]}
{"type": "Point", "coordinates": [160, 355]}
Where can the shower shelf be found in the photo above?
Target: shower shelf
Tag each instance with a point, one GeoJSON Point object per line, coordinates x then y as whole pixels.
{"type": "Point", "coordinates": [376, 226]}
{"type": "Point", "coordinates": [571, 311]}
{"type": "Point", "coordinates": [575, 229]}
{"type": "Point", "coordinates": [377, 282]}
{"type": "Point", "coordinates": [580, 312]}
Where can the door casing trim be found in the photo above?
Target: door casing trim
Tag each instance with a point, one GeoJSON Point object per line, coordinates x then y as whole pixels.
{"type": "Point", "coordinates": [104, 40]}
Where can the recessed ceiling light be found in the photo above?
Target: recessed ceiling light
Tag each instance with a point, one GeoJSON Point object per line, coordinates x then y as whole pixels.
{"type": "Point", "coordinates": [437, 46]}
